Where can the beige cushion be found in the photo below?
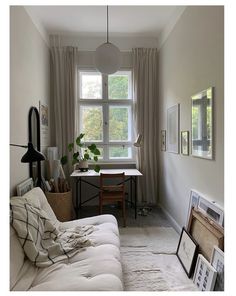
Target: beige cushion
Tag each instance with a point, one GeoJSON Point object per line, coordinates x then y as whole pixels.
{"type": "Point", "coordinates": [37, 198]}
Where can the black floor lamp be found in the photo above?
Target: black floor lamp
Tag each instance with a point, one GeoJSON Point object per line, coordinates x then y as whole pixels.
{"type": "Point", "coordinates": [31, 156]}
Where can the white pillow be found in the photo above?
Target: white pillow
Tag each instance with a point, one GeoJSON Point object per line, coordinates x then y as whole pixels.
{"type": "Point", "coordinates": [38, 199]}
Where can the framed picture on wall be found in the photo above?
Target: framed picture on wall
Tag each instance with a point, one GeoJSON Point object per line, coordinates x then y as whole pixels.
{"type": "Point", "coordinates": [44, 124]}
{"type": "Point", "coordinates": [185, 142]}
{"type": "Point", "coordinates": [173, 129]}
{"type": "Point", "coordinates": [163, 140]}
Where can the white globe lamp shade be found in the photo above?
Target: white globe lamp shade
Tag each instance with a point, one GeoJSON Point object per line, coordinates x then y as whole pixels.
{"type": "Point", "coordinates": [107, 58]}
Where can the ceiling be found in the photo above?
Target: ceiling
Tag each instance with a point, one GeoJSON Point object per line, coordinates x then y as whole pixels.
{"type": "Point", "coordinates": [90, 21]}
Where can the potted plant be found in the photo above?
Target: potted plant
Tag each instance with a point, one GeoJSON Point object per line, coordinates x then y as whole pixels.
{"type": "Point", "coordinates": [82, 154]}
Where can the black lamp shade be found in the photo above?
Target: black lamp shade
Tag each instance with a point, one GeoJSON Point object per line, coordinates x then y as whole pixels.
{"type": "Point", "coordinates": [32, 154]}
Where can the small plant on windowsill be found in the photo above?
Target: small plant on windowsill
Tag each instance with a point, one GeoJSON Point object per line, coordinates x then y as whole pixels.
{"type": "Point", "coordinates": [82, 154]}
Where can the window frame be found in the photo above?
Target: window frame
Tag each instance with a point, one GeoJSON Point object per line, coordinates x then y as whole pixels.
{"type": "Point", "coordinates": [105, 102]}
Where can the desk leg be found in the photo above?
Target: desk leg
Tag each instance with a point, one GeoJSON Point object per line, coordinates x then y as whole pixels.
{"type": "Point", "coordinates": [135, 196]}
{"type": "Point", "coordinates": [80, 192]}
{"type": "Point", "coordinates": [76, 198]}
{"type": "Point", "coordinates": [131, 192]}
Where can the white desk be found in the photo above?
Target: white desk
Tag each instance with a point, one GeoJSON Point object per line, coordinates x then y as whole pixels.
{"type": "Point", "coordinates": [131, 175]}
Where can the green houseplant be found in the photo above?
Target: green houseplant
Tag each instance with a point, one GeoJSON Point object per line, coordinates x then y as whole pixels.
{"type": "Point", "coordinates": [82, 153]}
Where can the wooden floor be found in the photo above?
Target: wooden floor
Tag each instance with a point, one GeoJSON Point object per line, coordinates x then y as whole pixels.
{"type": "Point", "coordinates": [154, 216]}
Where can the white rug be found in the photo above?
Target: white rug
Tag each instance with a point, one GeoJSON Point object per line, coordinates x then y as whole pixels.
{"type": "Point", "coordinates": [149, 260]}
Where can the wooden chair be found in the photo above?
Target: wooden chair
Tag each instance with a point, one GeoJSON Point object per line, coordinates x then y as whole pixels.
{"type": "Point", "coordinates": [109, 194]}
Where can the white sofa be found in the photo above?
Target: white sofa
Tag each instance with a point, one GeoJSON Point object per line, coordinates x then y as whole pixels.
{"type": "Point", "coordinates": [97, 268]}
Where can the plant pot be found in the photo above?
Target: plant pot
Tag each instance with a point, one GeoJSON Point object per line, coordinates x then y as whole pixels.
{"type": "Point", "coordinates": [83, 166]}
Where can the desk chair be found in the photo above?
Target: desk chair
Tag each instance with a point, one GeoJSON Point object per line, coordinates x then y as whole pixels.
{"type": "Point", "coordinates": [112, 193]}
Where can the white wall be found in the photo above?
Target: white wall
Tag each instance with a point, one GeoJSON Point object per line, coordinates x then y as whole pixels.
{"type": "Point", "coordinates": [192, 59]}
{"type": "Point", "coordinates": [29, 83]}
{"type": "Point", "coordinates": [86, 60]}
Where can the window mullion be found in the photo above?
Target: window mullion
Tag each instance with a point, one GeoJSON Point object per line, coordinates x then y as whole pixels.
{"type": "Point", "coordinates": [105, 115]}
{"type": "Point", "coordinates": [104, 87]}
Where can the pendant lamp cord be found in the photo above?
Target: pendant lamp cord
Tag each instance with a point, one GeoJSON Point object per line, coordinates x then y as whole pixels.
{"type": "Point", "coordinates": [107, 25]}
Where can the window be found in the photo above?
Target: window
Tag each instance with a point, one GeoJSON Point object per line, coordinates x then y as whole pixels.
{"type": "Point", "coordinates": [105, 113]}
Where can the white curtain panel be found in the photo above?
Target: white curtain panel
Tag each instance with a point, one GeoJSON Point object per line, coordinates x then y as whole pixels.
{"type": "Point", "coordinates": [145, 83]}
{"type": "Point", "coordinates": [64, 94]}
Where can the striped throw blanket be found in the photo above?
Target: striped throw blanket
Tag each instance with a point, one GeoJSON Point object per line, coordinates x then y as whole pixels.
{"type": "Point", "coordinates": [42, 242]}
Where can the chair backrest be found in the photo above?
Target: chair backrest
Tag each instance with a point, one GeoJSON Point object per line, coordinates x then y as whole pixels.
{"type": "Point", "coordinates": [118, 178]}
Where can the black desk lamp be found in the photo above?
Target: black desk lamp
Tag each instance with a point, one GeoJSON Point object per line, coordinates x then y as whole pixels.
{"type": "Point", "coordinates": [30, 156]}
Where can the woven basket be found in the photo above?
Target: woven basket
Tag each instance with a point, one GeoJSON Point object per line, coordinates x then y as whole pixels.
{"type": "Point", "coordinates": [61, 204]}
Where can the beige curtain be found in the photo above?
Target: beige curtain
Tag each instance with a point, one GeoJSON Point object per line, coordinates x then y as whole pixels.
{"type": "Point", "coordinates": [64, 94]}
{"type": "Point", "coordinates": [145, 83]}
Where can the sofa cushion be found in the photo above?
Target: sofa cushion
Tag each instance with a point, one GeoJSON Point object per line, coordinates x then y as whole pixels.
{"type": "Point", "coordinates": [97, 268]}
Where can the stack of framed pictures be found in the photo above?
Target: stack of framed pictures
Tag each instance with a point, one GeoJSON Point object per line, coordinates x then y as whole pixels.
{"type": "Point", "coordinates": [200, 250]}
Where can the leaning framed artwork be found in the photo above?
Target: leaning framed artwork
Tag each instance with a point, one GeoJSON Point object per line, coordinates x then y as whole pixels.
{"type": "Point", "coordinates": [204, 275]}
{"type": "Point", "coordinates": [185, 142]}
{"type": "Point", "coordinates": [24, 187]}
{"type": "Point", "coordinates": [193, 203]}
{"type": "Point", "coordinates": [173, 129]}
{"type": "Point", "coordinates": [206, 232]}
{"type": "Point", "coordinates": [217, 261]}
{"type": "Point", "coordinates": [187, 251]}
{"type": "Point", "coordinates": [208, 207]}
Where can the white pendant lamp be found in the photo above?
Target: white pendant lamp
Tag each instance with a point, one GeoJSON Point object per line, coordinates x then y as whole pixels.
{"type": "Point", "coordinates": [107, 56]}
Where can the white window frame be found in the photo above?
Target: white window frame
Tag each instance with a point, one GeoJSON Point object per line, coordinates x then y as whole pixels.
{"type": "Point", "coordinates": [105, 103]}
